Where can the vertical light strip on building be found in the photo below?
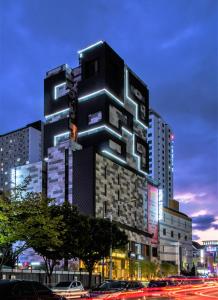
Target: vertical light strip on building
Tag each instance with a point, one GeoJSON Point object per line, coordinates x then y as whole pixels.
{"type": "Point", "coordinates": [136, 112]}
{"type": "Point", "coordinates": [131, 100]}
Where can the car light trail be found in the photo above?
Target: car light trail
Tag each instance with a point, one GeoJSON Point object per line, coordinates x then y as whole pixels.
{"type": "Point", "coordinates": [187, 288]}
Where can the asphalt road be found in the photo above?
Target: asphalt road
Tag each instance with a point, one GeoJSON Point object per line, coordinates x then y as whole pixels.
{"type": "Point", "coordinates": [191, 292]}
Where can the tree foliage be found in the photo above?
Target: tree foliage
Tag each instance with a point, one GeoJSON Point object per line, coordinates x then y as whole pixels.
{"type": "Point", "coordinates": [44, 228]}
{"type": "Point", "coordinates": [98, 236]}
{"type": "Point", "coordinates": [150, 269]}
{"type": "Point", "coordinates": [167, 269]}
{"type": "Point", "coordinates": [11, 230]}
{"type": "Point", "coordinates": [54, 231]}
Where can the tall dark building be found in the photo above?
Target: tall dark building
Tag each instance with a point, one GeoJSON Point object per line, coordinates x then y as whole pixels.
{"type": "Point", "coordinates": [96, 148]}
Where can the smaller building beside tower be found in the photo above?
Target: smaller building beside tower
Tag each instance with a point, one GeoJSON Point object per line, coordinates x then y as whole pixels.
{"type": "Point", "coordinates": [161, 154]}
{"type": "Point", "coordinates": [175, 232]}
{"type": "Point", "coordinates": [17, 148]}
{"type": "Point", "coordinates": [205, 258]}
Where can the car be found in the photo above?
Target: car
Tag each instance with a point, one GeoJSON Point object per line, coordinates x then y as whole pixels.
{"type": "Point", "coordinates": [113, 286]}
{"type": "Point", "coordinates": [69, 286]}
{"type": "Point", "coordinates": [161, 283]}
{"type": "Point", "coordinates": [26, 290]}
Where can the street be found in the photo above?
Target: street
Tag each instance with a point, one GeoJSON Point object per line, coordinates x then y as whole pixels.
{"type": "Point", "coordinates": [208, 291]}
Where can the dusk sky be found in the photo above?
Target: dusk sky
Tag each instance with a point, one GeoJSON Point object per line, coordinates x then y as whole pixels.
{"type": "Point", "coordinates": [171, 44]}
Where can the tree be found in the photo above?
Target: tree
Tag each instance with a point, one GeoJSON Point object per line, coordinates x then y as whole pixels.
{"type": "Point", "coordinates": [167, 269]}
{"type": "Point", "coordinates": [11, 230]}
{"type": "Point", "coordinates": [44, 229]}
{"type": "Point", "coordinates": [98, 235]}
{"type": "Point", "coordinates": [149, 269]}
{"type": "Point", "coordinates": [72, 223]}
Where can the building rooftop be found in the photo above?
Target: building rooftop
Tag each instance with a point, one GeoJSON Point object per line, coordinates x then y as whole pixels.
{"type": "Point", "coordinates": [37, 125]}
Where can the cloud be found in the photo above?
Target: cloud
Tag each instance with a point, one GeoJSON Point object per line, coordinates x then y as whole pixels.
{"type": "Point", "coordinates": [209, 234]}
{"type": "Point", "coordinates": [179, 37]}
{"type": "Point", "coordinates": [202, 212]}
{"type": "Point", "coordinates": [203, 221]}
{"type": "Point", "coordinates": [189, 197]}
{"type": "Point", "coordinates": [195, 237]}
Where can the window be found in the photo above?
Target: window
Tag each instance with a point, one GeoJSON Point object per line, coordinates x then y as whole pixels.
{"type": "Point", "coordinates": [60, 90]}
{"type": "Point", "coordinates": [114, 146]}
{"type": "Point", "coordinates": [179, 236]}
{"type": "Point", "coordinates": [105, 172]}
{"type": "Point", "coordinates": [185, 237]}
{"type": "Point", "coordinates": [22, 290]}
{"type": "Point", "coordinates": [154, 252]}
{"type": "Point", "coordinates": [105, 208]}
{"type": "Point", "coordinates": [94, 118]}
{"type": "Point", "coordinates": [138, 249]}
{"type": "Point", "coordinates": [147, 250]}
{"type": "Point", "coordinates": [172, 233]}
{"type": "Point", "coordinates": [118, 210]}
{"type": "Point", "coordinates": [41, 289]}
{"type": "Point", "coordinates": [164, 231]}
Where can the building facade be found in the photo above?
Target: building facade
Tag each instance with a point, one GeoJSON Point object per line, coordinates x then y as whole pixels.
{"type": "Point", "coordinates": [161, 154]}
{"type": "Point", "coordinates": [17, 148]}
{"type": "Point", "coordinates": [95, 136]}
{"type": "Point", "coordinates": [175, 237]}
{"type": "Point", "coordinates": [106, 152]}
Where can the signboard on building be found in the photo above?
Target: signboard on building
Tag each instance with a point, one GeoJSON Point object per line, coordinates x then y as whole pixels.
{"type": "Point", "coordinates": [153, 212]}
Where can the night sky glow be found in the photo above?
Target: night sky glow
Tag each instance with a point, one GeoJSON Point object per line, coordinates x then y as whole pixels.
{"type": "Point", "coordinates": [171, 44]}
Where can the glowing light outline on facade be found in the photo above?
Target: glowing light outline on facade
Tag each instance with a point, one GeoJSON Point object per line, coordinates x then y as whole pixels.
{"type": "Point", "coordinates": [132, 101]}
{"type": "Point", "coordinates": [59, 135]}
{"type": "Point", "coordinates": [90, 47]}
{"type": "Point", "coordinates": [114, 156]}
{"type": "Point", "coordinates": [57, 113]}
{"type": "Point", "coordinates": [55, 89]}
{"type": "Point", "coordinates": [99, 92]}
{"type": "Point", "coordinates": [99, 128]}
{"type": "Point", "coordinates": [133, 150]}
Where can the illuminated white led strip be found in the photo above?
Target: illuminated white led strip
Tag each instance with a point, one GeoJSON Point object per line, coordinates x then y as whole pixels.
{"type": "Point", "coordinates": [57, 113]}
{"type": "Point", "coordinates": [133, 150]}
{"type": "Point", "coordinates": [60, 135]}
{"type": "Point", "coordinates": [137, 156]}
{"type": "Point", "coordinates": [133, 102]}
{"type": "Point", "coordinates": [90, 47]}
{"type": "Point", "coordinates": [57, 86]}
{"type": "Point", "coordinates": [99, 128]}
{"type": "Point", "coordinates": [114, 156]}
{"type": "Point", "coordinates": [127, 131]}
{"type": "Point", "coordinates": [99, 92]}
